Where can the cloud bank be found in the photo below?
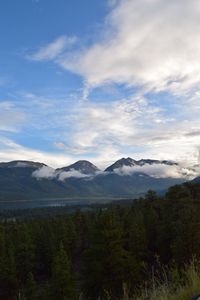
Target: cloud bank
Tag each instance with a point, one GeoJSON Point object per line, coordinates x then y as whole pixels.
{"type": "Point", "coordinates": [153, 170]}
{"type": "Point", "coordinates": [159, 171]}
{"type": "Point", "coordinates": [44, 172]}
{"type": "Point", "coordinates": [50, 173]}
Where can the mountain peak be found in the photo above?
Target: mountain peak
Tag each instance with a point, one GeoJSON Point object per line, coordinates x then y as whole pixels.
{"type": "Point", "coordinates": [83, 166]}
{"type": "Point", "coordinates": [120, 163]}
{"type": "Point", "coordinates": [21, 164]}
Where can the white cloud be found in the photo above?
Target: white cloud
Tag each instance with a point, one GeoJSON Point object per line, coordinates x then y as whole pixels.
{"type": "Point", "coordinates": [72, 173]}
{"type": "Point", "coordinates": [108, 131]}
{"type": "Point", "coordinates": [150, 43]}
{"type": "Point", "coordinates": [50, 173]}
{"type": "Point", "coordinates": [159, 171]}
{"type": "Point", "coordinates": [130, 127]}
{"type": "Point", "coordinates": [53, 49]}
{"type": "Point", "coordinates": [44, 172]}
{"type": "Point", "coordinates": [153, 170]}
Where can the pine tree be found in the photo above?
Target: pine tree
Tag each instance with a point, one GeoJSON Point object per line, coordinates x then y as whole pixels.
{"type": "Point", "coordinates": [62, 285]}
{"type": "Point", "coordinates": [106, 259]}
{"type": "Point", "coordinates": [8, 278]}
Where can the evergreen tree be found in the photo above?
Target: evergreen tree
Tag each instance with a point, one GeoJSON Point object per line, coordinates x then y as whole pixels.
{"type": "Point", "coordinates": [8, 278]}
{"type": "Point", "coordinates": [24, 252]}
{"type": "Point", "coordinates": [106, 260]}
{"type": "Point", "coordinates": [62, 285]}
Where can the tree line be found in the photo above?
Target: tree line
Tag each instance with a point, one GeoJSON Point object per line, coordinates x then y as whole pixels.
{"type": "Point", "coordinates": [97, 254]}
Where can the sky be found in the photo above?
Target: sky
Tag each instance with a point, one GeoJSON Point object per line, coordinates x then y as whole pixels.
{"type": "Point", "coordinates": [99, 80]}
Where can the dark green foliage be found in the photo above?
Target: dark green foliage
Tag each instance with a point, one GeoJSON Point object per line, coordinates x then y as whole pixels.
{"type": "Point", "coordinates": [107, 261]}
{"type": "Point", "coordinates": [62, 286]}
{"type": "Point", "coordinates": [96, 253]}
{"type": "Point", "coordinates": [30, 290]}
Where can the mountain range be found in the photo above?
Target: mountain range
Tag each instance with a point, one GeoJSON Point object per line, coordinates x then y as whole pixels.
{"type": "Point", "coordinates": [27, 180]}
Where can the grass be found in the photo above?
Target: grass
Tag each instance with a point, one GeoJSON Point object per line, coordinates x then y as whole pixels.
{"type": "Point", "coordinates": [185, 285]}
{"type": "Point", "coordinates": [174, 285]}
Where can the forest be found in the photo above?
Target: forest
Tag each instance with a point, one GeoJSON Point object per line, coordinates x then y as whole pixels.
{"type": "Point", "coordinates": [104, 253]}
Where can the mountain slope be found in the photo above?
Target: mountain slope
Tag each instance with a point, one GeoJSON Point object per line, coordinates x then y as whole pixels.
{"type": "Point", "coordinates": [18, 181]}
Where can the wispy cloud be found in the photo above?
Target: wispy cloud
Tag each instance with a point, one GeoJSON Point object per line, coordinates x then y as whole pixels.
{"type": "Point", "coordinates": [52, 50]}
{"type": "Point", "coordinates": [11, 118]}
{"type": "Point", "coordinates": [106, 123]}
{"type": "Point", "coordinates": [9, 150]}
{"type": "Point", "coordinates": [104, 131]}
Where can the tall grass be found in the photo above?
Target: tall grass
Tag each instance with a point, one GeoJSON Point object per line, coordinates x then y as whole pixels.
{"type": "Point", "coordinates": [172, 284]}
{"type": "Point", "coordinates": [181, 285]}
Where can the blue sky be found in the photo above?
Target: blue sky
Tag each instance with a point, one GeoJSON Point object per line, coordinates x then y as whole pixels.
{"type": "Point", "coordinates": [99, 80]}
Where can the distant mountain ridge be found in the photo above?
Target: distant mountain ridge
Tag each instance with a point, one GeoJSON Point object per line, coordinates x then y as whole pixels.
{"type": "Point", "coordinates": [82, 179]}
{"type": "Point", "coordinates": [132, 162]}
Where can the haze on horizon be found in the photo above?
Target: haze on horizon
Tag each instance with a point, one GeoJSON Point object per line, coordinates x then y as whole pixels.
{"type": "Point", "coordinates": [99, 80]}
